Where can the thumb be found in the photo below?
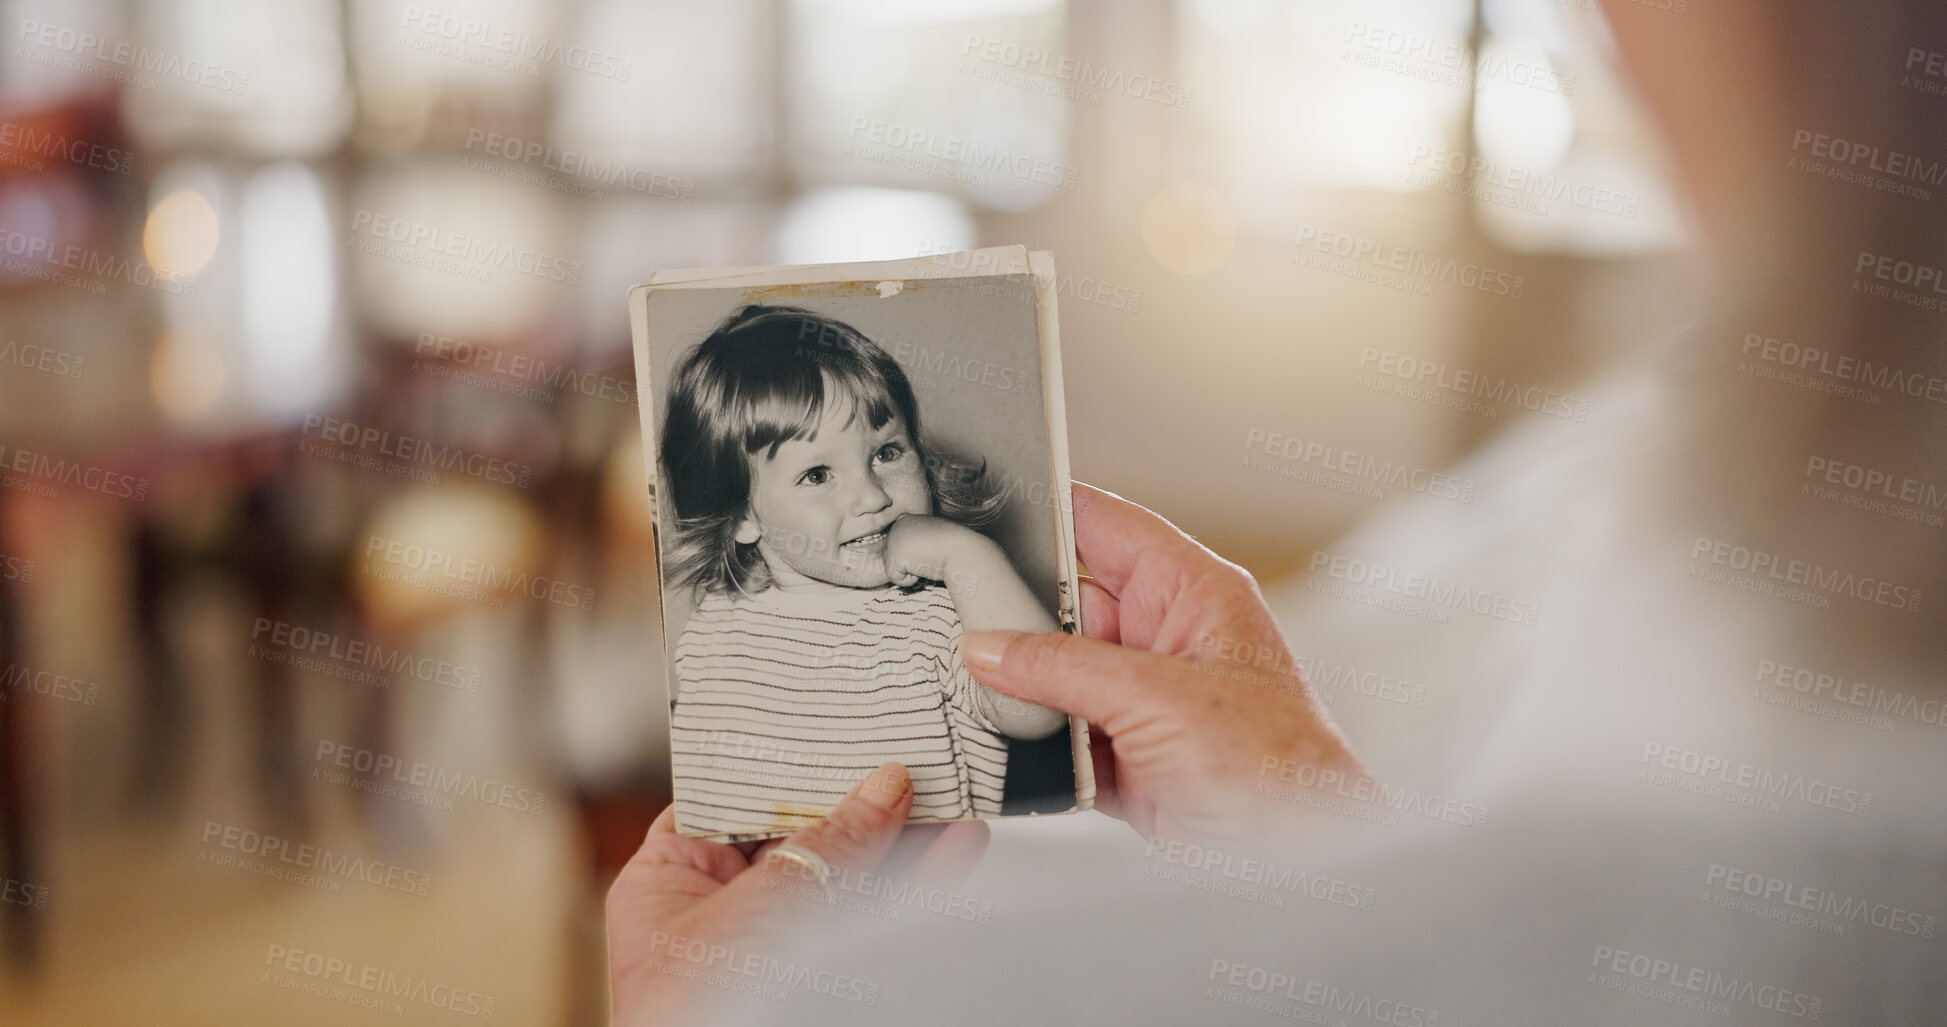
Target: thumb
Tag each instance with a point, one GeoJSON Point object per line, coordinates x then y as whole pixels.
{"type": "Point", "coordinates": [1100, 682]}
{"type": "Point", "coordinates": [858, 831]}
{"type": "Point", "coordinates": [856, 834]}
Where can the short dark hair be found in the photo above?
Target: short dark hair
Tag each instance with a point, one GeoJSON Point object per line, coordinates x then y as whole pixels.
{"type": "Point", "coordinates": [758, 381]}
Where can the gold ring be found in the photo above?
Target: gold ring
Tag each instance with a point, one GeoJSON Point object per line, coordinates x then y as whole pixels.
{"type": "Point", "coordinates": [811, 861]}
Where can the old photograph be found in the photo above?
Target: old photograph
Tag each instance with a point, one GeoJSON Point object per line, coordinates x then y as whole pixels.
{"type": "Point", "coordinates": [847, 475]}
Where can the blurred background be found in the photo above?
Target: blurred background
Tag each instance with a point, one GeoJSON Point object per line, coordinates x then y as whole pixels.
{"type": "Point", "coordinates": [328, 619]}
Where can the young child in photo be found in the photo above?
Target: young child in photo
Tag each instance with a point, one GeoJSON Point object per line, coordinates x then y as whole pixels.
{"type": "Point", "coordinates": [833, 566]}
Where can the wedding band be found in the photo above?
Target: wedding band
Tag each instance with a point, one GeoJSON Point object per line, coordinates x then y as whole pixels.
{"type": "Point", "coordinates": [810, 861]}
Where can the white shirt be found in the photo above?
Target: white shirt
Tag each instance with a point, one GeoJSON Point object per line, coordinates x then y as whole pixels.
{"type": "Point", "coordinates": [786, 700]}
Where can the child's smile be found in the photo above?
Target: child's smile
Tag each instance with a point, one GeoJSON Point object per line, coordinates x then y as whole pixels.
{"type": "Point", "coordinates": [866, 543]}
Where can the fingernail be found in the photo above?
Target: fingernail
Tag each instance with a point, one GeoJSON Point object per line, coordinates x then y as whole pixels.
{"type": "Point", "coordinates": [885, 786]}
{"type": "Point", "coordinates": [982, 650]}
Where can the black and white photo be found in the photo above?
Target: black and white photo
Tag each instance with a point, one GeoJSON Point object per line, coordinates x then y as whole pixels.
{"type": "Point", "coordinates": [848, 475]}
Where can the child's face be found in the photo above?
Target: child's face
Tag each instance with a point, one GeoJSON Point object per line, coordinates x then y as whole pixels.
{"type": "Point", "coordinates": [820, 508]}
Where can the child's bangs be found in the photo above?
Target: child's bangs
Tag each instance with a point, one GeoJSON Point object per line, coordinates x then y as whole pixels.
{"type": "Point", "coordinates": [794, 405]}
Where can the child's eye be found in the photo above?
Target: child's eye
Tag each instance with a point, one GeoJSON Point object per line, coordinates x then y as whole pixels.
{"type": "Point", "coordinates": [815, 476]}
{"type": "Point", "coordinates": [889, 452]}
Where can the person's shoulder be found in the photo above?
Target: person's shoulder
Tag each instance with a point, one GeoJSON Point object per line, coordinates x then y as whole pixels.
{"type": "Point", "coordinates": [714, 606]}
{"type": "Point", "coordinates": [713, 610]}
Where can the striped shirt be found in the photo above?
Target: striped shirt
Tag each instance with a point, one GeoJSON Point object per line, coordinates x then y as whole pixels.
{"type": "Point", "coordinates": [786, 700]}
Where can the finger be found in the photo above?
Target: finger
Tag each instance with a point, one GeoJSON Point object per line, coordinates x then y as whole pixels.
{"type": "Point", "coordinates": [1095, 680]}
{"type": "Point", "coordinates": [1101, 753]}
{"type": "Point", "coordinates": [1113, 536]}
{"type": "Point", "coordinates": [754, 851]}
{"type": "Point", "coordinates": [1100, 613]}
{"type": "Point", "coordinates": [664, 846]}
{"type": "Point", "coordinates": [859, 830]}
{"type": "Point", "coordinates": [1172, 594]}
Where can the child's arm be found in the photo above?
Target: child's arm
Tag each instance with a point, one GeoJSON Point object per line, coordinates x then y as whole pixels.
{"type": "Point", "coordinates": [987, 593]}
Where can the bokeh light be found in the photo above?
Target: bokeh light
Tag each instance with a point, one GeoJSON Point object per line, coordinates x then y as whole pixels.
{"type": "Point", "coordinates": [181, 234]}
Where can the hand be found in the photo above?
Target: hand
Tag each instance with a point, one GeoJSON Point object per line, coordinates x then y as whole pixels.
{"type": "Point", "coordinates": [679, 897]}
{"type": "Point", "coordinates": [1188, 743]}
{"type": "Point", "coordinates": [918, 546]}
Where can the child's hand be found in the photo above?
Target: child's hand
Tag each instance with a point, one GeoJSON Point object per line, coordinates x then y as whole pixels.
{"type": "Point", "coordinates": [921, 547]}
